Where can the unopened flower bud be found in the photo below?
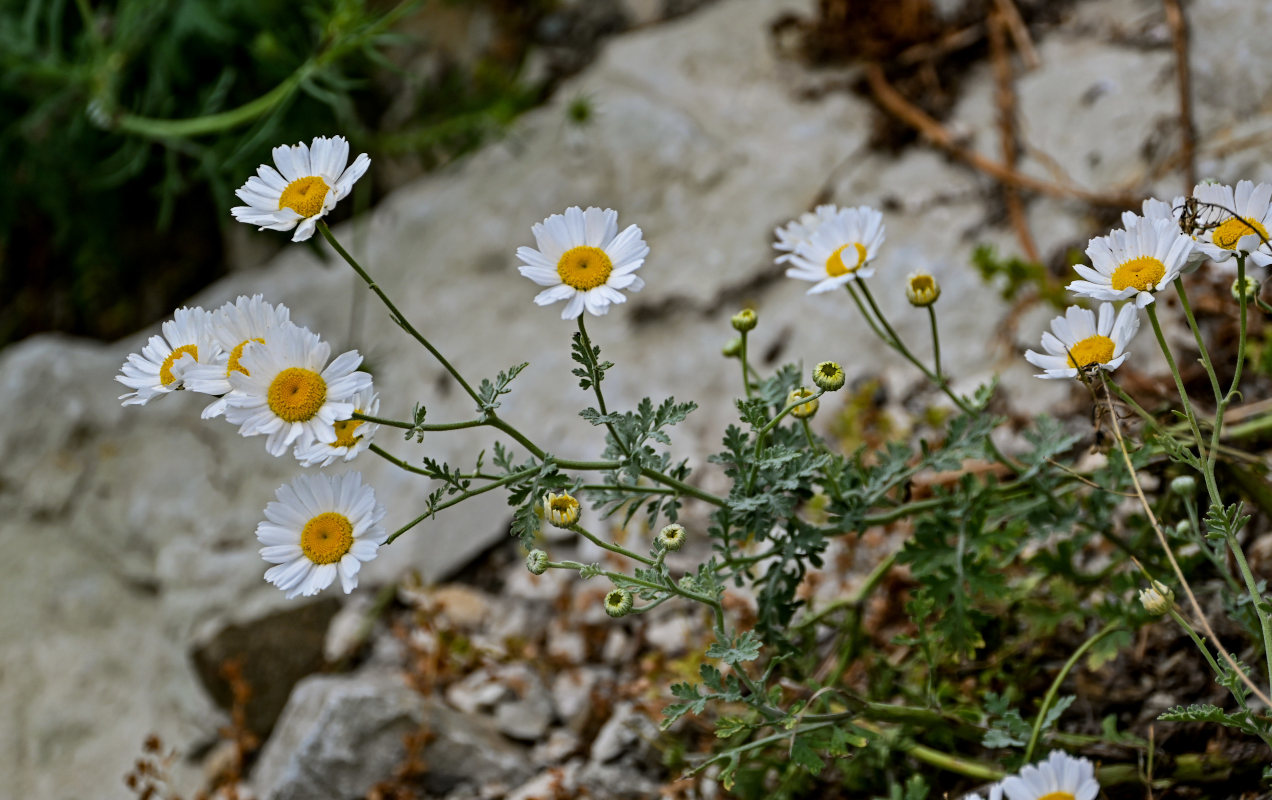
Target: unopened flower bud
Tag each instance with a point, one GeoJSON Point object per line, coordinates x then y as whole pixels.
{"type": "Point", "coordinates": [1251, 289]}
{"type": "Point", "coordinates": [1183, 529]}
{"type": "Point", "coordinates": [537, 562]}
{"type": "Point", "coordinates": [803, 410]}
{"type": "Point", "coordinates": [560, 509]}
{"type": "Point", "coordinates": [828, 376]}
{"type": "Point", "coordinates": [1184, 486]}
{"type": "Point", "coordinates": [618, 602]}
{"type": "Point", "coordinates": [1157, 599]}
{"type": "Point", "coordinates": [732, 348]}
{"type": "Point", "coordinates": [672, 537]}
{"type": "Point", "coordinates": [744, 320]}
{"type": "Point", "coordinates": [921, 289]}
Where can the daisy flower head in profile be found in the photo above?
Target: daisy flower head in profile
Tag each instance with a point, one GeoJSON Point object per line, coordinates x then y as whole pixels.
{"type": "Point", "coordinates": [1079, 341]}
{"type": "Point", "coordinates": [289, 392]}
{"type": "Point", "coordinates": [584, 260]}
{"type": "Point", "coordinates": [305, 186]}
{"type": "Point", "coordinates": [161, 367]}
{"type": "Point", "coordinates": [1226, 235]}
{"type": "Point", "coordinates": [1133, 263]}
{"type": "Point", "coordinates": [321, 526]}
{"type": "Point", "coordinates": [839, 250]}
{"type": "Point", "coordinates": [234, 326]}
{"type": "Point", "coordinates": [1060, 777]}
{"type": "Point", "coordinates": [352, 435]}
{"type": "Point", "coordinates": [1153, 210]}
{"type": "Point", "coordinates": [794, 233]}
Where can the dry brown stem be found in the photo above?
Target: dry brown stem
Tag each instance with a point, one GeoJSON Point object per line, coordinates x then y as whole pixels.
{"type": "Point", "coordinates": [1183, 79]}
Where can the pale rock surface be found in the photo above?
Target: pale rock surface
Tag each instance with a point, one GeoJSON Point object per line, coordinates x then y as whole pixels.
{"type": "Point", "coordinates": [131, 528]}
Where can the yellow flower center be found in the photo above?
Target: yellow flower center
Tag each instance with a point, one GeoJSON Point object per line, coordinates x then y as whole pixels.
{"type": "Point", "coordinates": [835, 265]}
{"type": "Point", "coordinates": [584, 267]}
{"type": "Point", "coordinates": [297, 394]}
{"type": "Point", "coordinates": [165, 372]}
{"type": "Point", "coordinates": [1057, 796]}
{"type": "Point", "coordinates": [233, 364]}
{"type": "Point", "coordinates": [344, 433]}
{"type": "Point", "coordinates": [326, 538]}
{"type": "Point", "coordinates": [1091, 350]}
{"type": "Point", "coordinates": [1233, 228]}
{"type": "Point", "coordinates": [1141, 273]}
{"type": "Point", "coordinates": [304, 195]}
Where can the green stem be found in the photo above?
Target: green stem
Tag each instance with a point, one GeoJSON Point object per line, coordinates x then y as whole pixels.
{"type": "Point", "coordinates": [680, 486]}
{"type": "Point", "coordinates": [613, 548]}
{"type": "Point", "coordinates": [1196, 332]}
{"type": "Point", "coordinates": [746, 377]}
{"type": "Point", "coordinates": [1151, 310]}
{"type": "Point", "coordinates": [397, 315]}
{"type": "Point", "coordinates": [504, 481]}
{"type": "Point", "coordinates": [595, 378]}
{"type": "Point", "coordinates": [1055, 685]}
{"type": "Point", "coordinates": [410, 426]}
{"type": "Point", "coordinates": [936, 346]}
{"type": "Point", "coordinates": [152, 128]}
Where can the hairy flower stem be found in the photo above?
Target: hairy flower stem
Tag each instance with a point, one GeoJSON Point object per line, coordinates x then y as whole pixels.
{"type": "Point", "coordinates": [936, 346]}
{"type": "Point", "coordinates": [746, 376]}
{"type": "Point", "coordinates": [594, 377]}
{"type": "Point", "coordinates": [613, 548]}
{"type": "Point", "coordinates": [1050, 697]}
{"type": "Point", "coordinates": [1151, 310]}
{"type": "Point", "coordinates": [1214, 666]}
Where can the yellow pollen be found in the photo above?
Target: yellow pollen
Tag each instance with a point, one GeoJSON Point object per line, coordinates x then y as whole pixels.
{"type": "Point", "coordinates": [236, 354]}
{"type": "Point", "coordinates": [1230, 232]}
{"type": "Point", "coordinates": [922, 284]}
{"type": "Point", "coordinates": [326, 538]}
{"type": "Point", "coordinates": [344, 433]}
{"type": "Point", "coordinates": [1057, 796]}
{"type": "Point", "coordinates": [297, 394]}
{"type": "Point", "coordinates": [1091, 350]}
{"type": "Point", "coordinates": [562, 505]}
{"type": "Point", "coordinates": [304, 195]}
{"type": "Point", "coordinates": [584, 267]}
{"type": "Point", "coordinates": [1141, 273]}
{"type": "Point", "coordinates": [835, 265]}
{"type": "Point", "coordinates": [165, 372]}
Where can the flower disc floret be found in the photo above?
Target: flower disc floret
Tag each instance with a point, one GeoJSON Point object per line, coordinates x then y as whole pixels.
{"type": "Point", "coordinates": [1060, 777]}
{"type": "Point", "coordinates": [291, 394]}
{"type": "Point", "coordinates": [803, 410]}
{"type": "Point", "coordinates": [561, 510]}
{"type": "Point", "coordinates": [672, 537]}
{"type": "Point", "coordinates": [352, 435]}
{"type": "Point", "coordinates": [1173, 212]}
{"type": "Point", "coordinates": [308, 182]}
{"type": "Point", "coordinates": [537, 562]}
{"type": "Point", "coordinates": [166, 360]}
{"type": "Point", "coordinates": [1235, 221]}
{"type": "Point", "coordinates": [1133, 263]}
{"type": "Point", "coordinates": [619, 603]}
{"type": "Point", "coordinates": [1079, 341]}
{"type": "Point", "coordinates": [921, 289]}
{"type": "Point", "coordinates": [235, 326]}
{"type": "Point", "coordinates": [839, 250]}
{"type": "Point", "coordinates": [320, 527]}
{"type": "Point", "coordinates": [743, 321]}
{"type": "Point", "coordinates": [584, 260]}
{"type": "Point", "coordinates": [829, 376]}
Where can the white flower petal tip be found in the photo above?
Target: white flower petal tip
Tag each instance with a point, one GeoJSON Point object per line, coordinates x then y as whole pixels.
{"type": "Point", "coordinates": [235, 326]}
{"type": "Point", "coordinates": [1233, 222]}
{"type": "Point", "coordinates": [1080, 341]}
{"type": "Point", "coordinates": [831, 246]}
{"type": "Point", "coordinates": [307, 183]}
{"type": "Point", "coordinates": [1134, 263]}
{"type": "Point", "coordinates": [352, 435]}
{"type": "Point", "coordinates": [583, 259]}
{"type": "Point", "coordinates": [166, 361]}
{"type": "Point", "coordinates": [1060, 776]}
{"type": "Point", "coordinates": [320, 527]}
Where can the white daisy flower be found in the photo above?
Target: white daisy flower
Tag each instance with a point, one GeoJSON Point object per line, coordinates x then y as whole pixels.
{"type": "Point", "coordinates": [1225, 235]}
{"type": "Point", "coordinates": [321, 526]}
{"type": "Point", "coordinates": [1133, 263]}
{"type": "Point", "coordinates": [1154, 210]}
{"type": "Point", "coordinates": [352, 435]}
{"type": "Point", "coordinates": [1060, 777]}
{"type": "Point", "coordinates": [164, 361]}
{"type": "Point", "coordinates": [1081, 341]}
{"type": "Point", "coordinates": [234, 326]}
{"type": "Point", "coordinates": [583, 259]}
{"type": "Point", "coordinates": [798, 231]}
{"type": "Point", "coordinates": [839, 250]}
{"type": "Point", "coordinates": [288, 391]}
{"type": "Point", "coordinates": [313, 177]}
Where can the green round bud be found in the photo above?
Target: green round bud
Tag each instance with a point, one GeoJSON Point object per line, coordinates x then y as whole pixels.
{"type": "Point", "coordinates": [618, 602]}
{"type": "Point", "coordinates": [1157, 599]}
{"type": "Point", "coordinates": [1184, 486]}
{"type": "Point", "coordinates": [537, 562]}
{"type": "Point", "coordinates": [672, 537]}
{"type": "Point", "coordinates": [732, 348]}
{"type": "Point", "coordinates": [828, 376]}
{"type": "Point", "coordinates": [921, 289]}
{"type": "Point", "coordinates": [1183, 529]}
{"type": "Point", "coordinates": [804, 410]}
{"type": "Point", "coordinates": [1251, 289]}
{"type": "Point", "coordinates": [744, 320]}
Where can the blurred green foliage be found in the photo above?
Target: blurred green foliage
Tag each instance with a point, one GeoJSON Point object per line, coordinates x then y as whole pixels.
{"type": "Point", "coordinates": [128, 124]}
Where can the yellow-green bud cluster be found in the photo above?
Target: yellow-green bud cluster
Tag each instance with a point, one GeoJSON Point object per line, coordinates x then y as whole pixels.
{"type": "Point", "coordinates": [828, 376]}
{"type": "Point", "coordinates": [803, 410]}
{"type": "Point", "coordinates": [672, 537]}
{"type": "Point", "coordinates": [921, 289]}
{"type": "Point", "coordinates": [1157, 599]}
{"type": "Point", "coordinates": [618, 602]}
{"type": "Point", "coordinates": [537, 562]}
{"type": "Point", "coordinates": [561, 510]}
{"type": "Point", "coordinates": [744, 320]}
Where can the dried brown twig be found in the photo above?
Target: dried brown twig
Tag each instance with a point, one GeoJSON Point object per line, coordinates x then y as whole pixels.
{"type": "Point", "coordinates": [1183, 79]}
{"type": "Point", "coordinates": [1005, 99]}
